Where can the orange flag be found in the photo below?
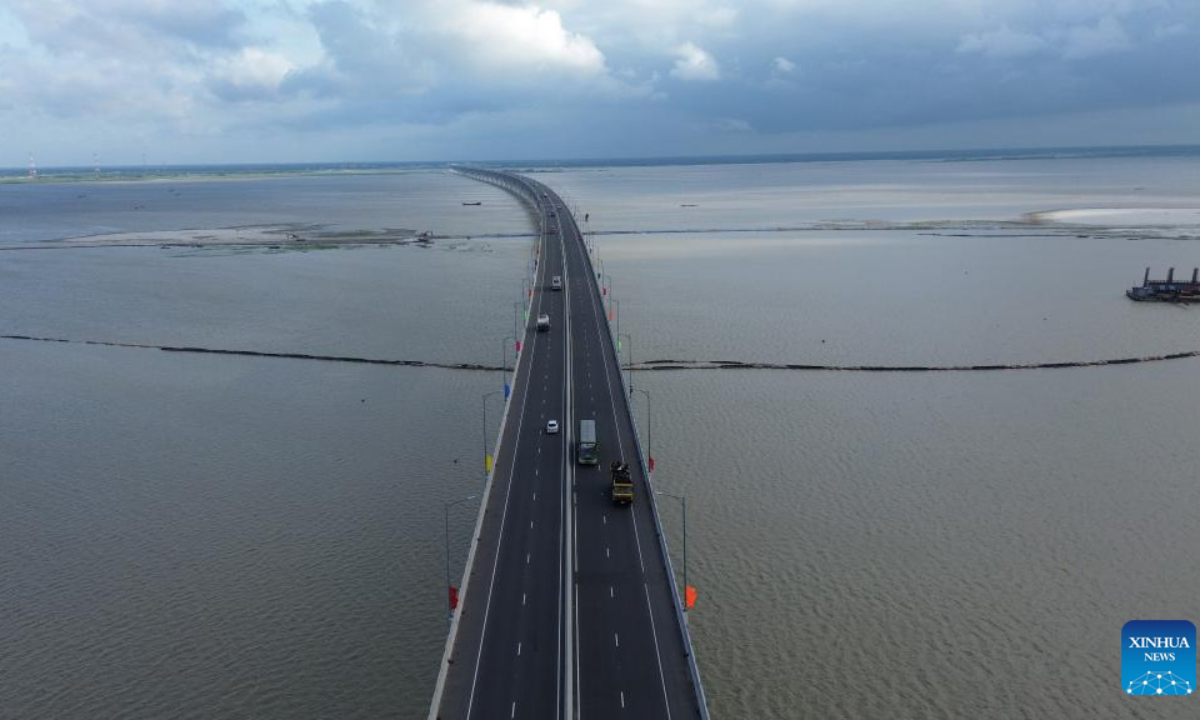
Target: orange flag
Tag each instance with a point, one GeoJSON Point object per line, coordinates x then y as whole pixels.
{"type": "Point", "coordinates": [689, 597]}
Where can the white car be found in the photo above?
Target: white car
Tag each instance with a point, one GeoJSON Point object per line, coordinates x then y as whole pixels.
{"type": "Point", "coordinates": [552, 427]}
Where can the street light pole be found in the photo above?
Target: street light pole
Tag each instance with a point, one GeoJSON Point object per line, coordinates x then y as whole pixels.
{"type": "Point", "coordinates": [618, 313]}
{"type": "Point", "coordinates": [649, 437]}
{"type": "Point", "coordinates": [629, 354]}
{"type": "Point", "coordinates": [485, 452]}
{"type": "Point", "coordinates": [517, 312]}
{"type": "Point", "coordinates": [504, 362]}
{"type": "Point", "coordinates": [450, 616]}
{"type": "Point", "coordinates": [683, 501]}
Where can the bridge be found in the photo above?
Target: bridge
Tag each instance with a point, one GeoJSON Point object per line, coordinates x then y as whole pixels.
{"type": "Point", "coordinates": [568, 606]}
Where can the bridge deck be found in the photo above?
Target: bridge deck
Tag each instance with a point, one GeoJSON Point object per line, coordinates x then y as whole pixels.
{"type": "Point", "coordinates": [569, 605]}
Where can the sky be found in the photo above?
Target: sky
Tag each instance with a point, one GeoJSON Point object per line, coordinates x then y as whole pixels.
{"type": "Point", "coordinates": [114, 82]}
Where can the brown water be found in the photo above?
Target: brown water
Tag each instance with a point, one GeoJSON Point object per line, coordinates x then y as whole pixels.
{"type": "Point", "coordinates": [218, 536]}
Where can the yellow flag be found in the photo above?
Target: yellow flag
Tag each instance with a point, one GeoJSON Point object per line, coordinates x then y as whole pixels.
{"type": "Point", "coordinates": [488, 462]}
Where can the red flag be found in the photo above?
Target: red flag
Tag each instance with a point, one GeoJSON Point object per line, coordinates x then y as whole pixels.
{"type": "Point", "coordinates": [518, 346]}
{"type": "Point", "coordinates": [603, 291]}
{"type": "Point", "coordinates": [651, 463]}
{"type": "Point", "coordinates": [453, 598]}
{"type": "Point", "coordinates": [689, 597]}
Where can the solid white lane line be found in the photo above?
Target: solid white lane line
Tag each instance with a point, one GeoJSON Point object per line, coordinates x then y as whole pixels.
{"type": "Point", "coordinates": [657, 654]}
{"type": "Point", "coordinates": [578, 654]}
{"type": "Point", "coordinates": [637, 538]}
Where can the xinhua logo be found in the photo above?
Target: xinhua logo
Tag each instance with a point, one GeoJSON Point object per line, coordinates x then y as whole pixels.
{"type": "Point", "coordinates": [1158, 657]}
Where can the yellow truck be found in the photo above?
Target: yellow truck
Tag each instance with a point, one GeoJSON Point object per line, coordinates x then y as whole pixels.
{"type": "Point", "coordinates": [622, 483]}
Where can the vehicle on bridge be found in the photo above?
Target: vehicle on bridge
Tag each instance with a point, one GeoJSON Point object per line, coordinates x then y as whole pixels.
{"type": "Point", "coordinates": [556, 282]}
{"type": "Point", "coordinates": [588, 451]}
{"type": "Point", "coordinates": [543, 322]}
{"type": "Point", "coordinates": [622, 483]}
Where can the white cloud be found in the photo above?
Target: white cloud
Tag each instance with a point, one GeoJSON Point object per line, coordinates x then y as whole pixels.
{"type": "Point", "coordinates": [1086, 41]}
{"type": "Point", "coordinates": [694, 64]}
{"type": "Point", "coordinates": [782, 64]}
{"type": "Point", "coordinates": [508, 36]}
{"type": "Point", "coordinates": [1002, 44]}
{"type": "Point", "coordinates": [254, 68]}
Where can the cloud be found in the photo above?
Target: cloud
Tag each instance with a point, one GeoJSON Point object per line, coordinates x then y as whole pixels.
{"type": "Point", "coordinates": [335, 76]}
{"type": "Point", "coordinates": [1002, 44]}
{"type": "Point", "coordinates": [694, 64]}
{"type": "Point", "coordinates": [1172, 30]}
{"type": "Point", "coordinates": [1087, 41]}
{"type": "Point", "coordinates": [251, 73]}
{"type": "Point", "coordinates": [128, 27]}
{"type": "Point", "coordinates": [732, 125]}
{"type": "Point", "coordinates": [504, 37]}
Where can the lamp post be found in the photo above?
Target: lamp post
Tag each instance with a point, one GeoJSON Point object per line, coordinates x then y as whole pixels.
{"type": "Point", "coordinates": [612, 302]}
{"type": "Point", "coordinates": [504, 362]}
{"type": "Point", "coordinates": [450, 615]}
{"type": "Point", "coordinates": [487, 395]}
{"type": "Point", "coordinates": [629, 354]}
{"type": "Point", "coordinates": [649, 436]}
{"type": "Point", "coordinates": [517, 312]}
{"type": "Point", "coordinates": [683, 501]}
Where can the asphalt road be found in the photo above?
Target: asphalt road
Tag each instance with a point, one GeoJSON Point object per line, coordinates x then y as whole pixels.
{"type": "Point", "coordinates": [569, 610]}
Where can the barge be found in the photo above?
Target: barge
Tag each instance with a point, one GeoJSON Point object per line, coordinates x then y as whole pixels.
{"type": "Point", "coordinates": [1169, 290]}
